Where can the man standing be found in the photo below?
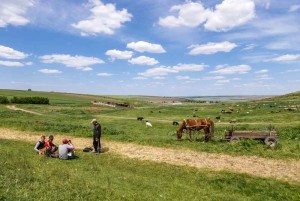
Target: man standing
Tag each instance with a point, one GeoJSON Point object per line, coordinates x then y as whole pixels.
{"type": "Point", "coordinates": [97, 136]}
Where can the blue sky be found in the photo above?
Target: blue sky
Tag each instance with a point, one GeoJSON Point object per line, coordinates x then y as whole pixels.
{"type": "Point", "coordinates": [151, 47]}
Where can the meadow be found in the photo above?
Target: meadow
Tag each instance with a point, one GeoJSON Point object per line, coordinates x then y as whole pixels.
{"type": "Point", "coordinates": [112, 177]}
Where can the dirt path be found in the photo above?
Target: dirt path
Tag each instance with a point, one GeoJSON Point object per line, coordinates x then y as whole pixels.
{"type": "Point", "coordinates": [12, 107]}
{"type": "Point", "coordinates": [287, 170]}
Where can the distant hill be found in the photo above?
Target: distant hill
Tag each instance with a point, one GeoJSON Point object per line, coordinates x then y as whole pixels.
{"type": "Point", "coordinates": [295, 96]}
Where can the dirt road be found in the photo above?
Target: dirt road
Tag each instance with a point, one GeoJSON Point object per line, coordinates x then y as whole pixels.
{"type": "Point", "coordinates": [12, 107]}
{"type": "Point", "coordinates": [287, 170]}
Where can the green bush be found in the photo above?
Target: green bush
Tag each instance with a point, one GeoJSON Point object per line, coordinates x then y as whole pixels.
{"type": "Point", "coordinates": [30, 100]}
{"type": "Point", "coordinates": [3, 100]}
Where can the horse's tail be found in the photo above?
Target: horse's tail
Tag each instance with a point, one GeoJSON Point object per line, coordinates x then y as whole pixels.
{"type": "Point", "coordinates": [212, 129]}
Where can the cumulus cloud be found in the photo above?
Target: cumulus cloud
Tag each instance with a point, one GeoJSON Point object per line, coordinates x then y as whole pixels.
{"type": "Point", "coordinates": [11, 63]}
{"type": "Point", "coordinates": [14, 12]}
{"type": "Point", "coordinates": [9, 53]}
{"type": "Point", "coordinates": [189, 67]}
{"type": "Point", "coordinates": [163, 70]}
{"type": "Point", "coordinates": [158, 71]}
{"type": "Point", "coordinates": [104, 74]}
{"type": "Point", "coordinates": [211, 48]}
{"type": "Point", "coordinates": [229, 70]}
{"type": "Point", "coordinates": [104, 18]}
{"type": "Point", "coordinates": [117, 54]}
{"type": "Point", "coordinates": [225, 16]}
{"type": "Point", "coordinates": [287, 57]}
{"type": "Point", "coordinates": [190, 14]}
{"type": "Point", "coordinates": [230, 14]}
{"type": "Point", "coordinates": [142, 46]}
{"type": "Point", "coordinates": [78, 62]}
{"type": "Point", "coordinates": [50, 71]}
{"type": "Point", "coordinates": [143, 60]}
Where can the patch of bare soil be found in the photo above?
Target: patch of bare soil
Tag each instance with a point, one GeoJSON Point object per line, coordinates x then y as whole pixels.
{"type": "Point", "coordinates": [12, 107]}
{"type": "Point", "coordinates": [287, 170]}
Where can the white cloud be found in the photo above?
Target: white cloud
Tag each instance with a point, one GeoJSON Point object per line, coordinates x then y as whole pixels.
{"type": "Point", "coordinates": [49, 71]}
{"type": "Point", "coordinates": [86, 69]}
{"type": "Point", "coordinates": [14, 12]}
{"type": "Point", "coordinates": [190, 14]}
{"type": "Point", "coordinates": [229, 70]}
{"type": "Point", "coordinates": [213, 78]}
{"type": "Point", "coordinates": [142, 46]}
{"type": "Point", "coordinates": [11, 63]}
{"type": "Point", "coordinates": [225, 16]}
{"type": "Point", "coordinates": [292, 71]}
{"type": "Point", "coordinates": [182, 77]}
{"type": "Point", "coordinates": [9, 53]}
{"type": "Point", "coordinates": [230, 14]}
{"type": "Point", "coordinates": [287, 57]}
{"type": "Point", "coordinates": [104, 18]}
{"type": "Point", "coordinates": [78, 62]}
{"type": "Point", "coordinates": [189, 67]}
{"type": "Point", "coordinates": [104, 74]}
{"type": "Point", "coordinates": [159, 78]}
{"type": "Point", "coordinates": [117, 54]}
{"type": "Point", "coordinates": [158, 71]}
{"type": "Point", "coordinates": [222, 82]}
{"type": "Point", "coordinates": [211, 48]}
{"type": "Point", "coordinates": [294, 8]}
{"type": "Point", "coordinates": [261, 71]}
{"type": "Point", "coordinates": [143, 60]}
{"type": "Point", "coordinates": [263, 77]}
{"type": "Point", "coordinates": [140, 78]}
{"type": "Point", "coordinates": [249, 46]}
{"type": "Point", "coordinates": [163, 70]}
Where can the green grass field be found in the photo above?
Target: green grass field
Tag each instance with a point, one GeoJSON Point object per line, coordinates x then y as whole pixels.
{"type": "Point", "coordinates": [71, 115]}
{"type": "Point", "coordinates": [26, 176]}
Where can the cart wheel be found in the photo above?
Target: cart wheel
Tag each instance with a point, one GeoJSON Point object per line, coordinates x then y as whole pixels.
{"type": "Point", "coordinates": [234, 139]}
{"type": "Point", "coordinates": [271, 141]}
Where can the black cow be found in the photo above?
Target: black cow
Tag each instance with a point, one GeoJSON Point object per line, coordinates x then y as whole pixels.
{"type": "Point", "coordinates": [175, 123]}
{"type": "Point", "coordinates": [140, 118]}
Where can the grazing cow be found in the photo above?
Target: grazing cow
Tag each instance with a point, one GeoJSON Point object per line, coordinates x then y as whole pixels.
{"type": "Point", "coordinates": [218, 118]}
{"type": "Point", "coordinates": [175, 123]}
{"type": "Point", "coordinates": [148, 124]}
{"type": "Point", "coordinates": [140, 118]}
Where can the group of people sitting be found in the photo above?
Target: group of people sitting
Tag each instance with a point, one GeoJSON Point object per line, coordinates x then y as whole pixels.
{"type": "Point", "coordinates": [65, 151]}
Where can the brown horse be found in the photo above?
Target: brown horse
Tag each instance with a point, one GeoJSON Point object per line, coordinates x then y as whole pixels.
{"type": "Point", "coordinates": [196, 125]}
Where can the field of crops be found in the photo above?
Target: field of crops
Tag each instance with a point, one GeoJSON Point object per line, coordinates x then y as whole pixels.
{"type": "Point", "coordinates": [128, 179]}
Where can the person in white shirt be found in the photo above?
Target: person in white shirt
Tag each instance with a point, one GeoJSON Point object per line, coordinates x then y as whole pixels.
{"type": "Point", "coordinates": [64, 149]}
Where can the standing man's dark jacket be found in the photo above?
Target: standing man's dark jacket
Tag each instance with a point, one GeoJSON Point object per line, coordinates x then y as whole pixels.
{"type": "Point", "coordinates": [97, 136]}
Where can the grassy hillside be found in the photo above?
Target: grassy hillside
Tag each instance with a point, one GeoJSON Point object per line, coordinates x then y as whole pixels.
{"type": "Point", "coordinates": [120, 124]}
{"type": "Point", "coordinates": [291, 97]}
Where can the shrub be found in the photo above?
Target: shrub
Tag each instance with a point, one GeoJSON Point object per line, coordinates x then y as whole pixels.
{"type": "Point", "coordinates": [3, 100]}
{"type": "Point", "coordinates": [30, 100]}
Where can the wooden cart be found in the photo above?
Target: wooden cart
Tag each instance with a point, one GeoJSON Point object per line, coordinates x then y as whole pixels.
{"type": "Point", "coordinates": [269, 137]}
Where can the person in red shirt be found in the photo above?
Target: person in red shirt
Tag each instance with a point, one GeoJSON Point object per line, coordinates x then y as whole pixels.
{"type": "Point", "coordinates": [51, 148]}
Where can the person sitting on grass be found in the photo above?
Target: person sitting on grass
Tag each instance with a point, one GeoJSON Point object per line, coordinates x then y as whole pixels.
{"type": "Point", "coordinates": [66, 150]}
{"type": "Point", "coordinates": [50, 147]}
{"type": "Point", "coordinates": [40, 145]}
